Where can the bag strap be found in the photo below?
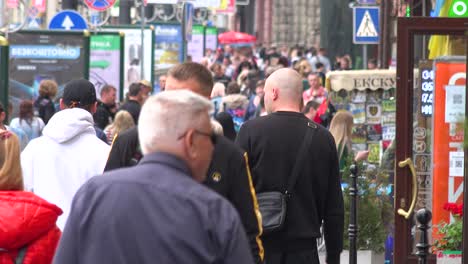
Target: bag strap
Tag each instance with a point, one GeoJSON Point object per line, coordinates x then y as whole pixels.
{"type": "Point", "coordinates": [20, 258]}
{"type": "Point", "coordinates": [301, 156]}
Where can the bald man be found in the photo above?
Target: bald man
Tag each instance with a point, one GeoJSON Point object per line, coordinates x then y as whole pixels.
{"type": "Point", "coordinates": [272, 143]}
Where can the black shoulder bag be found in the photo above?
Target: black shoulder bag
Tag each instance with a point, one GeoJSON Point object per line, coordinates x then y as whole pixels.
{"type": "Point", "coordinates": [272, 205]}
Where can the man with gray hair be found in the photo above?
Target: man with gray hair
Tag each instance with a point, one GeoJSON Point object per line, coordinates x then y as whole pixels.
{"type": "Point", "coordinates": [273, 143]}
{"type": "Point", "coordinates": [229, 173]}
{"type": "Point", "coordinates": [156, 211]}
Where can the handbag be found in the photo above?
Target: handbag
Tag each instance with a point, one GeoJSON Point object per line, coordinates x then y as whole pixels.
{"type": "Point", "coordinates": [273, 205]}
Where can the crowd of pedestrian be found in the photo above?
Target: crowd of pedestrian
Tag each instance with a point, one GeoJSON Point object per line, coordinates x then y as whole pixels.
{"type": "Point", "coordinates": [174, 177]}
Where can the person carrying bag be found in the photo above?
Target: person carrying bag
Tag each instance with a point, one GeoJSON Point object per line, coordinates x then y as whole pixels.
{"type": "Point", "coordinates": [273, 205]}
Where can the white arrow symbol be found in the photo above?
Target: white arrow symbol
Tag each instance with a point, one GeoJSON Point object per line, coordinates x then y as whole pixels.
{"type": "Point", "coordinates": [67, 23]}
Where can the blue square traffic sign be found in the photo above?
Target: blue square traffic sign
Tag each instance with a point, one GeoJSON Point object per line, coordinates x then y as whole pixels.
{"type": "Point", "coordinates": [366, 25]}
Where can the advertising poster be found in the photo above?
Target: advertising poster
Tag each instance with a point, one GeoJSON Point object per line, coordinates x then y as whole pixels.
{"type": "Point", "coordinates": [373, 113]}
{"type": "Point", "coordinates": [134, 55]}
{"type": "Point", "coordinates": [195, 48]}
{"type": "Point", "coordinates": [359, 113]}
{"type": "Point", "coordinates": [168, 47]}
{"type": "Point", "coordinates": [36, 56]}
{"type": "Point", "coordinates": [374, 152]}
{"type": "Point", "coordinates": [359, 134]}
{"type": "Point", "coordinates": [448, 130]}
{"type": "Point", "coordinates": [168, 50]}
{"type": "Point", "coordinates": [211, 38]}
{"type": "Point", "coordinates": [105, 61]}
{"type": "Point", "coordinates": [374, 132]}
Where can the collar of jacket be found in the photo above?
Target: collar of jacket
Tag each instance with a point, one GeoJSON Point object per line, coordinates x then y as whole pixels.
{"type": "Point", "coordinates": [166, 159]}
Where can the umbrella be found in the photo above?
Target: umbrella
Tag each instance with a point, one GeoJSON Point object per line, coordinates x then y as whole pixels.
{"type": "Point", "coordinates": [233, 37]}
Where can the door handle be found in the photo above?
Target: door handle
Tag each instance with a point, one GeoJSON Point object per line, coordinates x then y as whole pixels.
{"type": "Point", "coordinates": [408, 162]}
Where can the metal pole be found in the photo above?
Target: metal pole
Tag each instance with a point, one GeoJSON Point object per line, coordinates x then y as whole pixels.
{"type": "Point", "coordinates": [353, 225]}
{"type": "Point", "coordinates": [364, 56]}
{"type": "Point", "coordinates": [424, 38]}
{"type": "Point", "coordinates": [142, 55]}
{"type": "Point", "coordinates": [2, 10]}
{"type": "Point", "coordinates": [4, 49]}
{"type": "Point", "coordinates": [423, 216]}
{"type": "Point", "coordinates": [184, 33]}
{"type": "Point", "coordinates": [124, 12]}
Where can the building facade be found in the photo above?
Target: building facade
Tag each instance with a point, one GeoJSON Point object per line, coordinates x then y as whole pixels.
{"type": "Point", "coordinates": [288, 22]}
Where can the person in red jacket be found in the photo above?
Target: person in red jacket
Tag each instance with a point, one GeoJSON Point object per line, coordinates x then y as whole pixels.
{"type": "Point", "coordinates": [28, 233]}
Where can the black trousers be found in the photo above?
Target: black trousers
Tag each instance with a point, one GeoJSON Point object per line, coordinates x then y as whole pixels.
{"type": "Point", "coordinates": [297, 257]}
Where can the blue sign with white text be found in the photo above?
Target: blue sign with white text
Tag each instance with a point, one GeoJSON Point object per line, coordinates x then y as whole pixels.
{"type": "Point", "coordinates": [169, 46]}
{"type": "Point", "coordinates": [366, 25]}
{"type": "Point", "coordinates": [68, 20]}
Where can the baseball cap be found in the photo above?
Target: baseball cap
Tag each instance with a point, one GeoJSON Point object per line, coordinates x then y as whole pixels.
{"type": "Point", "coordinates": [79, 92]}
{"type": "Point", "coordinates": [145, 83]}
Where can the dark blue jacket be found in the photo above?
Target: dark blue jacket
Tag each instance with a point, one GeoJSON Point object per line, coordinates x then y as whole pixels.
{"type": "Point", "coordinates": [152, 213]}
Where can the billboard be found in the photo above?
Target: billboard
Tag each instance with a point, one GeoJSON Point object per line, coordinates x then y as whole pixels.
{"type": "Point", "coordinates": [134, 56]}
{"type": "Point", "coordinates": [211, 38]}
{"type": "Point", "coordinates": [106, 61]}
{"type": "Point", "coordinates": [168, 49]}
{"type": "Point", "coordinates": [196, 47]}
{"type": "Point", "coordinates": [169, 46]}
{"type": "Point", "coordinates": [38, 55]}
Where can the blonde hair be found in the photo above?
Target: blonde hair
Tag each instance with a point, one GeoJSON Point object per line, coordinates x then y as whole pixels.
{"type": "Point", "coordinates": [48, 88]}
{"type": "Point", "coordinates": [217, 128]}
{"type": "Point", "coordinates": [304, 68]}
{"type": "Point", "coordinates": [11, 177]}
{"type": "Point", "coordinates": [123, 120]}
{"type": "Point", "coordinates": [341, 128]}
{"type": "Point", "coordinates": [218, 90]}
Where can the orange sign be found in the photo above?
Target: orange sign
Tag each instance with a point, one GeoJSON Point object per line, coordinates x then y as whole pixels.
{"type": "Point", "coordinates": [448, 155]}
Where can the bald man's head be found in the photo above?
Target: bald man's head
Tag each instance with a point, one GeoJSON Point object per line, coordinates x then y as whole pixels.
{"type": "Point", "coordinates": [284, 89]}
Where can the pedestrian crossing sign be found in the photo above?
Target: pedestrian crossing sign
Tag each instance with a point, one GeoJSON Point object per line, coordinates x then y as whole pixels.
{"type": "Point", "coordinates": [366, 25]}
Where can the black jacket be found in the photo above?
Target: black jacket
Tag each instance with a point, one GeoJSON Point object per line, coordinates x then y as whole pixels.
{"type": "Point", "coordinates": [273, 143]}
{"type": "Point", "coordinates": [151, 213]}
{"type": "Point", "coordinates": [125, 151]}
{"type": "Point", "coordinates": [133, 107]}
{"type": "Point", "coordinates": [45, 108]}
{"type": "Point", "coordinates": [229, 175]}
{"type": "Point", "coordinates": [103, 115]}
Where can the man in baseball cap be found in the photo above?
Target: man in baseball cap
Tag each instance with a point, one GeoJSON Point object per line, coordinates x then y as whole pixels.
{"type": "Point", "coordinates": [68, 153]}
{"type": "Point", "coordinates": [79, 93]}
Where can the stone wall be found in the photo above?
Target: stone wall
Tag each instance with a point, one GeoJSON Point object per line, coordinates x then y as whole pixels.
{"type": "Point", "coordinates": [289, 22]}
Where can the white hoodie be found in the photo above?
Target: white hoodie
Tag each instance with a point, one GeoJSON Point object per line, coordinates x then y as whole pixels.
{"type": "Point", "coordinates": [68, 153]}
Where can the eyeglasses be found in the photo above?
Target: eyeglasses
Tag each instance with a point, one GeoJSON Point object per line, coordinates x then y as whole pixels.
{"type": "Point", "coordinates": [212, 136]}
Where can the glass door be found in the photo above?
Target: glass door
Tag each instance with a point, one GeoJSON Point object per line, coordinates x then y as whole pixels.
{"type": "Point", "coordinates": [430, 120]}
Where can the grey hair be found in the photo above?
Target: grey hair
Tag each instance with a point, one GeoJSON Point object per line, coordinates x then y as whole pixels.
{"type": "Point", "coordinates": [168, 115]}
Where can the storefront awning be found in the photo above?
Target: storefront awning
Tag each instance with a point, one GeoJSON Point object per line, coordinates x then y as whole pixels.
{"type": "Point", "coordinates": [361, 80]}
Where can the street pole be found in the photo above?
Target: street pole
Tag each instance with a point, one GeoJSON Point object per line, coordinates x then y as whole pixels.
{"type": "Point", "coordinates": [2, 6]}
{"type": "Point", "coordinates": [364, 56]}
{"type": "Point", "coordinates": [184, 34]}
{"type": "Point", "coordinates": [143, 22]}
{"type": "Point", "coordinates": [353, 224]}
{"type": "Point", "coordinates": [4, 49]}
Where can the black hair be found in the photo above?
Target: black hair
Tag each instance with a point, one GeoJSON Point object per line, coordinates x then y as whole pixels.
{"type": "Point", "coordinates": [134, 89]}
{"type": "Point", "coordinates": [311, 104]}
